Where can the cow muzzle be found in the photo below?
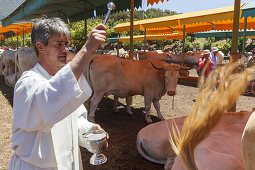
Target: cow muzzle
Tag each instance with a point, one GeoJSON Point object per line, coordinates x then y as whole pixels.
{"type": "Point", "coordinates": [171, 93]}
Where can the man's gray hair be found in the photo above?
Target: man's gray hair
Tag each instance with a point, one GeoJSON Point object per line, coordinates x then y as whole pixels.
{"type": "Point", "coordinates": [44, 29]}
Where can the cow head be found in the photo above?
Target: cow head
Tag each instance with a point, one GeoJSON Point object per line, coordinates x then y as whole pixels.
{"type": "Point", "coordinates": [171, 76]}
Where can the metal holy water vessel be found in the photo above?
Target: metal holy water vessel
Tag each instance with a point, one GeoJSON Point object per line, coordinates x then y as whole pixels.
{"type": "Point", "coordinates": [110, 6]}
{"type": "Point", "coordinates": [95, 142]}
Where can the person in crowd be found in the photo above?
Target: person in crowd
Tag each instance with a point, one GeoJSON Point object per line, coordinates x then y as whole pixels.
{"type": "Point", "coordinates": [48, 110]}
{"type": "Point", "coordinates": [205, 63]}
{"type": "Point", "coordinates": [213, 57]}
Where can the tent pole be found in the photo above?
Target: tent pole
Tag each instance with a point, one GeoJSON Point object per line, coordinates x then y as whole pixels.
{"type": "Point", "coordinates": [16, 74]}
{"type": "Point", "coordinates": [144, 45]}
{"type": "Point", "coordinates": [85, 21]}
{"type": "Point", "coordinates": [244, 35]}
{"type": "Point", "coordinates": [118, 47]}
{"type": "Point", "coordinates": [234, 54]}
{"type": "Point", "coordinates": [183, 39]}
{"type": "Point", "coordinates": [12, 39]}
{"type": "Point", "coordinates": [131, 55]}
{"type": "Point", "coordinates": [23, 38]}
{"type": "Point", "coordinates": [17, 40]}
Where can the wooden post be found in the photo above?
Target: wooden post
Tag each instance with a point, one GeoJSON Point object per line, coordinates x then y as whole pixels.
{"type": "Point", "coordinates": [234, 46]}
{"type": "Point", "coordinates": [183, 39]}
{"type": "Point", "coordinates": [23, 38]}
{"type": "Point", "coordinates": [234, 54]}
{"type": "Point", "coordinates": [131, 54]}
{"type": "Point", "coordinates": [144, 45]}
{"type": "Point", "coordinates": [12, 39]}
{"type": "Point", "coordinates": [244, 35]}
{"type": "Point", "coordinates": [85, 21]}
{"type": "Point", "coordinates": [17, 40]}
{"type": "Point", "coordinates": [118, 47]}
{"type": "Point", "coordinates": [15, 69]}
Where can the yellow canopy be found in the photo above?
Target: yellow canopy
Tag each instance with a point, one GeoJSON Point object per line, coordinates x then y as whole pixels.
{"type": "Point", "coordinates": [17, 28]}
{"type": "Point", "coordinates": [202, 20]}
{"type": "Point", "coordinates": [161, 31]}
{"type": "Point", "coordinates": [218, 26]}
{"type": "Point", "coordinates": [152, 37]}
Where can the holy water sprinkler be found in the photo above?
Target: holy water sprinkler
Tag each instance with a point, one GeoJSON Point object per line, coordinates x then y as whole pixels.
{"type": "Point", "coordinates": [110, 6]}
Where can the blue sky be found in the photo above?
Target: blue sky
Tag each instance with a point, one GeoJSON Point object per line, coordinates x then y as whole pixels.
{"type": "Point", "coordinates": [185, 6]}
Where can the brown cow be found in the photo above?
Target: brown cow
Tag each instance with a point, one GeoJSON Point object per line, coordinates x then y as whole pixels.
{"type": "Point", "coordinates": [152, 55]}
{"type": "Point", "coordinates": [190, 57]}
{"type": "Point", "coordinates": [124, 78]}
{"type": "Point", "coordinates": [222, 144]}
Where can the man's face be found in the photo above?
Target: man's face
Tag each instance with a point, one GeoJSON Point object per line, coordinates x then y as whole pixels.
{"type": "Point", "coordinates": [55, 53]}
{"type": "Point", "coordinates": [206, 55]}
{"type": "Point", "coordinates": [215, 52]}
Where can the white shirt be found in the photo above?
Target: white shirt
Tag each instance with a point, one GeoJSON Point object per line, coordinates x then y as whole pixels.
{"type": "Point", "coordinates": [48, 110]}
{"type": "Point", "coordinates": [213, 59]}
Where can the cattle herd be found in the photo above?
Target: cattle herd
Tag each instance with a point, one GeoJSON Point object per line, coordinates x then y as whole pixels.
{"type": "Point", "coordinates": [151, 74]}
{"type": "Point", "coordinates": [14, 63]}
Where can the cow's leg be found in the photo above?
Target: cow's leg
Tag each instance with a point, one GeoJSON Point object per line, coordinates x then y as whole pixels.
{"type": "Point", "coordinates": [95, 99]}
{"type": "Point", "coordinates": [128, 101]}
{"type": "Point", "coordinates": [157, 107]}
{"type": "Point", "coordinates": [147, 102]}
{"type": "Point", "coordinates": [115, 106]}
{"type": "Point", "coordinates": [169, 162]}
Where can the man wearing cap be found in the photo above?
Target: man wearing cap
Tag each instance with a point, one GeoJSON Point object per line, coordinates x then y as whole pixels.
{"type": "Point", "coordinates": [213, 56]}
{"type": "Point", "coordinates": [205, 61]}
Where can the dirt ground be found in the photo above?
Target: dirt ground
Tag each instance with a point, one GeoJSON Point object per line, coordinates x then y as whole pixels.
{"type": "Point", "coordinates": [122, 129]}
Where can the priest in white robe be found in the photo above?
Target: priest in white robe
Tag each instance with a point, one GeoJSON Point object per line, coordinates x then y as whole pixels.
{"type": "Point", "coordinates": [48, 101]}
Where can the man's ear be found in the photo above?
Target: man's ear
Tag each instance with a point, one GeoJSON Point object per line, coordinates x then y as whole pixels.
{"type": "Point", "coordinates": [39, 46]}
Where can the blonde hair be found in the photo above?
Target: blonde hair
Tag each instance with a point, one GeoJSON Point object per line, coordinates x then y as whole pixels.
{"type": "Point", "coordinates": [208, 109]}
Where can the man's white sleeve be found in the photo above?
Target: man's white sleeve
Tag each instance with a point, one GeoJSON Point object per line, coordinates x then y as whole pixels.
{"type": "Point", "coordinates": [40, 103]}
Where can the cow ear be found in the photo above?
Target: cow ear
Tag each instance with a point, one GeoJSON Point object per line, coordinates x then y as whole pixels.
{"type": "Point", "coordinates": [185, 68]}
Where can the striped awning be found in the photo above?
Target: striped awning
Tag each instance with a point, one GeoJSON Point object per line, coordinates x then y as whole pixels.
{"type": "Point", "coordinates": [18, 29]}
{"type": "Point", "coordinates": [196, 21]}
{"type": "Point", "coordinates": [154, 1]}
{"type": "Point", "coordinates": [153, 37]}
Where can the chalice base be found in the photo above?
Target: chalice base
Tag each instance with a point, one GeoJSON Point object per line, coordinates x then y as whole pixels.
{"type": "Point", "coordinates": [98, 159]}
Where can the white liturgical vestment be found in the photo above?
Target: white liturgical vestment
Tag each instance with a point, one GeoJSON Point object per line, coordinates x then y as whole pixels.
{"type": "Point", "coordinates": [48, 111]}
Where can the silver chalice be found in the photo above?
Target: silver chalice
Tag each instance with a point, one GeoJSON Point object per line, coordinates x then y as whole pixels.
{"type": "Point", "coordinates": [95, 142]}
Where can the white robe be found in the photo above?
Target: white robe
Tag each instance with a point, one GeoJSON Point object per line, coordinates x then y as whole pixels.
{"type": "Point", "coordinates": [48, 111]}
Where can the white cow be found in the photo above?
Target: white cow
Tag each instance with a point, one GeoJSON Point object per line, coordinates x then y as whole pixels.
{"type": "Point", "coordinates": [1, 65]}
{"type": "Point", "coordinates": [8, 62]}
{"type": "Point", "coordinates": [26, 59]}
{"type": "Point", "coordinates": [10, 79]}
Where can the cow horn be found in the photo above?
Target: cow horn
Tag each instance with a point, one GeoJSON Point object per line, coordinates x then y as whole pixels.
{"type": "Point", "coordinates": [159, 69]}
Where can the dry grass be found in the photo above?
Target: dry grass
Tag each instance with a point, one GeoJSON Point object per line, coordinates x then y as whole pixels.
{"type": "Point", "coordinates": [5, 121]}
